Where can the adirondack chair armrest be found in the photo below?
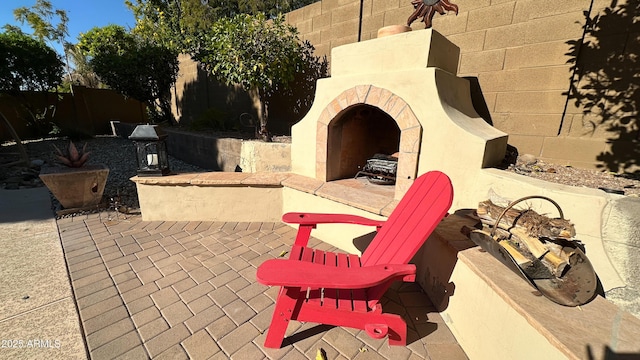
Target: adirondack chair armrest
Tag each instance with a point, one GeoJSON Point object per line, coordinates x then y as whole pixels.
{"type": "Point", "coordinates": [293, 273]}
{"type": "Point", "coordinates": [308, 222]}
{"type": "Point", "coordinates": [317, 218]}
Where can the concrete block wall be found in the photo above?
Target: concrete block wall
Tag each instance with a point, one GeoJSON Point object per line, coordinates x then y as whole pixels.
{"type": "Point", "coordinates": [520, 54]}
{"type": "Point", "coordinates": [227, 154]}
{"type": "Point", "coordinates": [198, 99]}
{"type": "Point", "coordinates": [195, 92]}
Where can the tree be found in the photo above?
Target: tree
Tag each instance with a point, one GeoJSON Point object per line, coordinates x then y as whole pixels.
{"type": "Point", "coordinates": [216, 33]}
{"type": "Point", "coordinates": [260, 54]}
{"type": "Point", "coordinates": [271, 8]}
{"type": "Point", "coordinates": [173, 23]}
{"type": "Point", "coordinates": [29, 64]}
{"type": "Point", "coordinates": [110, 39]}
{"type": "Point", "coordinates": [41, 18]}
{"type": "Point", "coordinates": [133, 67]}
{"type": "Point", "coordinates": [82, 73]}
{"type": "Point", "coordinates": [177, 24]}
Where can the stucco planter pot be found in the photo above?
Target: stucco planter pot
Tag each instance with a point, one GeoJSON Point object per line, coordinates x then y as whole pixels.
{"type": "Point", "coordinates": [76, 187]}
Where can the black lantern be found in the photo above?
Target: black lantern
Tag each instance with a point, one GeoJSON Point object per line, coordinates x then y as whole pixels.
{"type": "Point", "coordinates": [151, 150]}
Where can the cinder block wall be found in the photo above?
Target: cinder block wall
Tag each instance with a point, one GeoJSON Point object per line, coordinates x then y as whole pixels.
{"type": "Point", "coordinates": [519, 55]}
{"type": "Point", "coordinates": [197, 99]}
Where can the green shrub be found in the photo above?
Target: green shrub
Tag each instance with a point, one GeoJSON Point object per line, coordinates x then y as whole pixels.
{"type": "Point", "coordinates": [213, 119]}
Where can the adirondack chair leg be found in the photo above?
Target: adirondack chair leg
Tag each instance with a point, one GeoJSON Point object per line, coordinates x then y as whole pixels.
{"type": "Point", "coordinates": [376, 324]}
{"type": "Point", "coordinates": [286, 308]}
{"type": "Point", "coordinates": [397, 330]}
{"type": "Point", "coordinates": [390, 325]}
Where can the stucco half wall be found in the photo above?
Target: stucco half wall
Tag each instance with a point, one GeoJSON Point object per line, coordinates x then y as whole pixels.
{"type": "Point", "coordinates": [235, 204]}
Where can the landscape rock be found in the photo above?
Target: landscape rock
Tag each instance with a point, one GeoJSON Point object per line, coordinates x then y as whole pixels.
{"type": "Point", "coordinates": [526, 160]}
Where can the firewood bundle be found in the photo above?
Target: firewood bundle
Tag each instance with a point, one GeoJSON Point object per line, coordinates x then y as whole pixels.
{"type": "Point", "coordinates": [537, 243]}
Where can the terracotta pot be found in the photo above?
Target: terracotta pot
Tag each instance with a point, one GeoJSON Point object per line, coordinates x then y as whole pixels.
{"type": "Point", "coordinates": [76, 187]}
{"type": "Point", "coordinates": [392, 30]}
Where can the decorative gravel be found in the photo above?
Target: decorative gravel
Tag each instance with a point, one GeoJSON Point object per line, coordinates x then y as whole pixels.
{"type": "Point", "coordinates": [118, 154]}
{"type": "Point", "coordinates": [623, 184]}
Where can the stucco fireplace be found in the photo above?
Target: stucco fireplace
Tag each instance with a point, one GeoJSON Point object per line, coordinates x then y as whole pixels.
{"type": "Point", "coordinates": [395, 94]}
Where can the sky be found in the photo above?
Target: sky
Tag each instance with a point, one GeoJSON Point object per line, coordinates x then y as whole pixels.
{"type": "Point", "coordinates": [83, 15]}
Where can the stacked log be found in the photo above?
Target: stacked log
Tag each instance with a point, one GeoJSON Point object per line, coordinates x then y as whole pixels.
{"type": "Point", "coordinates": [533, 240]}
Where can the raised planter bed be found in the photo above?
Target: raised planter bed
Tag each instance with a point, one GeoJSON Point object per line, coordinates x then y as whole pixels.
{"type": "Point", "coordinates": [228, 154]}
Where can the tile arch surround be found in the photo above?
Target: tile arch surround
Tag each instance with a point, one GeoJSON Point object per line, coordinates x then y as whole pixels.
{"type": "Point", "coordinates": [391, 104]}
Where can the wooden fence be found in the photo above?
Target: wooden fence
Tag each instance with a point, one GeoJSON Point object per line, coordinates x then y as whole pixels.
{"type": "Point", "coordinates": [87, 111]}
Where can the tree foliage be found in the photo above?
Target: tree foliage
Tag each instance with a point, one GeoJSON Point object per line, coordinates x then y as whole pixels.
{"type": "Point", "coordinates": [40, 18]}
{"type": "Point", "coordinates": [110, 39]}
{"type": "Point", "coordinates": [82, 73]}
{"type": "Point", "coordinates": [255, 52]}
{"type": "Point", "coordinates": [244, 42]}
{"type": "Point", "coordinates": [28, 64]}
{"type": "Point", "coordinates": [251, 51]}
{"type": "Point", "coordinates": [271, 8]}
{"type": "Point", "coordinates": [132, 67]}
{"type": "Point", "coordinates": [47, 22]}
{"type": "Point", "coordinates": [173, 24]}
{"type": "Point", "coordinates": [178, 24]}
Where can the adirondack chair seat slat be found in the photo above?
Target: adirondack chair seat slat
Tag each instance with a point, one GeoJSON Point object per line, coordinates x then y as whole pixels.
{"type": "Point", "coordinates": [345, 289]}
{"type": "Point", "coordinates": [315, 269]}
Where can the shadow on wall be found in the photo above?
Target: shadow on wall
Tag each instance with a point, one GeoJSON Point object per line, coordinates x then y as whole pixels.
{"type": "Point", "coordinates": [288, 106]}
{"type": "Point", "coordinates": [605, 82]}
{"type": "Point", "coordinates": [478, 100]}
{"type": "Point", "coordinates": [610, 354]}
{"type": "Point", "coordinates": [205, 103]}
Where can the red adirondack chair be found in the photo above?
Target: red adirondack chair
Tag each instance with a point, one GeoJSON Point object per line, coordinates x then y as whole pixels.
{"type": "Point", "coordinates": [345, 290]}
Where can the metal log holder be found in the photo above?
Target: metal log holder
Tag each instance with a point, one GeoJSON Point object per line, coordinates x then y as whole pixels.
{"type": "Point", "coordinates": [380, 169]}
{"type": "Point", "coordinates": [576, 286]}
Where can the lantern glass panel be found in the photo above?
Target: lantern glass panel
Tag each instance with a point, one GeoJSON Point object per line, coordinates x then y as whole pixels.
{"type": "Point", "coordinates": [152, 158]}
{"type": "Point", "coordinates": [151, 150]}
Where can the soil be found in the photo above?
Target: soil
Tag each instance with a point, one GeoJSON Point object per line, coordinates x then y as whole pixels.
{"type": "Point", "coordinates": [623, 184]}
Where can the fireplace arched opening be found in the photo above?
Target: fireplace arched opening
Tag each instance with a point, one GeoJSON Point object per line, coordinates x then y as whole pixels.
{"type": "Point", "coordinates": [355, 135]}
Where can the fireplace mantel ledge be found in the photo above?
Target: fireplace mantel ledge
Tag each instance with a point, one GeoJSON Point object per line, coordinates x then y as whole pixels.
{"type": "Point", "coordinates": [375, 203]}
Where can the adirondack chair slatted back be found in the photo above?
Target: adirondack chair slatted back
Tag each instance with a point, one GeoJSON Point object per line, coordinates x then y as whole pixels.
{"type": "Point", "coordinates": [413, 220]}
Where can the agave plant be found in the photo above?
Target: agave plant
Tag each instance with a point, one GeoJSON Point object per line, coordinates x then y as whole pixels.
{"type": "Point", "coordinates": [73, 157]}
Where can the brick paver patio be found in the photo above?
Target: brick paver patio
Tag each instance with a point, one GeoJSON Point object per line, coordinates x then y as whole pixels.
{"type": "Point", "coordinates": [178, 290]}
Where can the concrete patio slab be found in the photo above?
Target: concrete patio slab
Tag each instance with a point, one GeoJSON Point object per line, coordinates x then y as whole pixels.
{"type": "Point", "coordinates": [38, 317]}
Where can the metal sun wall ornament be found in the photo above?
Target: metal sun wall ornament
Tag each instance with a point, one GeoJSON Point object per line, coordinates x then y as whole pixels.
{"type": "Point", "coordinates": [427, 9]}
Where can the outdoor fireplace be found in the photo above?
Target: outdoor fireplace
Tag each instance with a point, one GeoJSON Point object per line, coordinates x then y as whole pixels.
{"type": "Point", "coordinates": [394, 95]}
